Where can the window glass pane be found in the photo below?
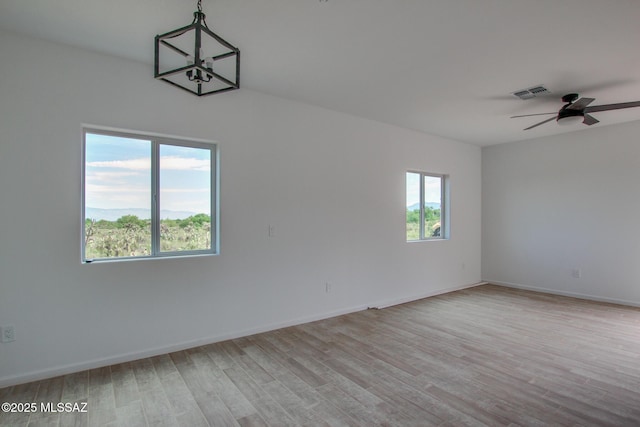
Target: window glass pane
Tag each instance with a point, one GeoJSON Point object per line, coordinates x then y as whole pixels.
{"type": "Point", "coordinates": [185, 198]}
{"type": "Point", "coordinates": [432, 206]}
{"type": "Point", "coordinates": [413, 206]}
{"type": "Point", "coordinates": [117, 197]}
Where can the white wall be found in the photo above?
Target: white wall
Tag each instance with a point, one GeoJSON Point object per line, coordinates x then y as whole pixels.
{"type": "Point", "coordinates": [556, 204]}
{"type": "Point", "coordinates": [331, 184]}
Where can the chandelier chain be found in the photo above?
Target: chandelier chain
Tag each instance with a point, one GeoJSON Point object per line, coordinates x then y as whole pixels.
{"type": "Point", "coordinates": [200, 6]}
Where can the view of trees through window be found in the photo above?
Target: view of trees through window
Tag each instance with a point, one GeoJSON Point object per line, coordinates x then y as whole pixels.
{"type": "Point", "coordinates": [127, 215]}
{"type": "Point", "coordinates": [424, 206]}
{"type": "Point", "coordinates": [131, 236]}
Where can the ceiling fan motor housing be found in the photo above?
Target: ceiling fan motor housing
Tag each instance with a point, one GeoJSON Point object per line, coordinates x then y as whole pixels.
{"type": "Point", "coordinates": [570, 97]}
{"type": "Point", "coordinates": [567, 112]}
{"type": "Point", "coordinates": [567, 116]}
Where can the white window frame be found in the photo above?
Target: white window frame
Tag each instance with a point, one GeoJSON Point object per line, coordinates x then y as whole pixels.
{"type": "Point", "coordinates": [444, 206]}
{"type": "Point", "coordinates": [156, 141]}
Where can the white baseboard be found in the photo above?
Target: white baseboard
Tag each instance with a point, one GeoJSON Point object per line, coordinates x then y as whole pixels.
{"type": "Point", "coordinates": [565, 293]}
{"type": "Point", "coordinates": [128, 357]}
{"type": "Point", "coordinates": [390, 303]}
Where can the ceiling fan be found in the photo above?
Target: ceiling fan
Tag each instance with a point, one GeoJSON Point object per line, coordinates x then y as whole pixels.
{"type": "Point", "coordinates": [578, 110]}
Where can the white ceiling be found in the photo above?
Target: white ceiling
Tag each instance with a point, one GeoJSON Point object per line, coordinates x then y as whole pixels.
{"type": "Point", "coordinates": [445, 67]}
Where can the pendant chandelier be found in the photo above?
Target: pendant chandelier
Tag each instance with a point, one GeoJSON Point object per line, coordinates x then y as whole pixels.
{"type": "Point", "coordinates": [196, 59]}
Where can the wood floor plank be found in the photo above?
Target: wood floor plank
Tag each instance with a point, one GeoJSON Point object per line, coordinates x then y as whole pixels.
{"type": "Point", "coordinates": [395, 390]}
{"type": "Point", "coordinates": [252, 421]}
{"type": "Point", "coordinates": [145, 375]}
{"type": "Point", "coordinates": [157, 409]}
{"type": "Point", "coordinates": [101, 400]}
{"type": "Point", "coordinates": [125, 387]}
{"type": "Point", "coordinates": [164, 365]}
{"type": "Point", "coordinates": [181, 399]}
{"type": "Point", "coordinates": [365, 413]}
{"type": "Point", "coordinates": [16, 394]}
{"type": "Point", "coordinates": [76, 386]}
{"type": "Point", "coordinates": [219, 356]}
{"type": "Point", "coordinates": [203, 389]}
{"type": "Point", "coordinates": [131, 415]}
{"type": "Point", "coordinates": [273, 413]}
{"type": "Point", "coordinates": [284, 376]}
{"type": "Point", "coordinates": [49, 392]}
{"type": "Point", "coordinates": [292, 404]}
{"type": "Point", "coordinates": [217, 385]}
{"type": "Point", "coordinates": [75, 419]}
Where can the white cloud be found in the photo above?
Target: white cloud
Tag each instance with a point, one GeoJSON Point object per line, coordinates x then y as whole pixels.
{"type": "Point", "coordinates": [432, 191]}
{"type": "Point", "coordinates": [184, 190]}
{"type": "Point", "coordinates": [125, 183]}
{"type": "Point", "coordinates": [113, 175]}
{"type": "Point", "coordinates": [143, 163]}
{"type": "Point", "coordinates": [98, 177]}
{"type": "Point", "coordinates": [93, 188]}
{"type": "Point", "coordinates": [166, 163]}
{"type": "Point", "coordinates": [107, 197]}
{"type": "Point", "coordinates": [184, 163]}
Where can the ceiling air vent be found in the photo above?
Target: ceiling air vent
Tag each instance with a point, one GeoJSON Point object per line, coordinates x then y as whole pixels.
{"type": "Point", "coordinates": [531, 92]}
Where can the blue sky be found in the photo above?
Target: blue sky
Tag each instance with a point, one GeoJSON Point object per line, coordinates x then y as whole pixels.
{"type": "Point", "coordinates": [432, 189]}
{"type": "Point", "coordinates": [118, 175]}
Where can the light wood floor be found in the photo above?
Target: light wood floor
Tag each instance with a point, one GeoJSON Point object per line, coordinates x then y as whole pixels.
{"type": "Point", "coordinates": [483, 356]}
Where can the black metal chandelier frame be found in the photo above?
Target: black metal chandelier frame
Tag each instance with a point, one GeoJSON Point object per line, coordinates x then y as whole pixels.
{"type": "Point", "coordinates": [199, 69]}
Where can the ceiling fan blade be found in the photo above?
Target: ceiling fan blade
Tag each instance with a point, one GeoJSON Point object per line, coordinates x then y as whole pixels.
{"type": "Point", "coordinates": [608, 107]}
{"type": "Point", "coordinates": [590, 120]}
{"type": "Point", "coordinates": [580, 103]}
{"type": "Point", "coordinates": [541, 123]}
{"type": "Point", "coordinates": [537, 114]}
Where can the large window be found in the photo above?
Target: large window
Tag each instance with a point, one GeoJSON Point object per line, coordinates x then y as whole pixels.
{"type": "Point", "coordinates": [426, 206]}
{"type": "Point", "coordinates": [146, 196]}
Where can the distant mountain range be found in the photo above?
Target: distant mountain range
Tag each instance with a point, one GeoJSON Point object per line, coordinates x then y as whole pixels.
{"type": "Point", "coordinates": [416, 206]}
{"type": "Point", "coordinates": [114, 214]}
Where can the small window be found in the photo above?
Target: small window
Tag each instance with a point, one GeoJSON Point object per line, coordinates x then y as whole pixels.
{"type": "Point", "coordinates": [147, 196]}
{"type": "Point", "coordinates": [426, 206]}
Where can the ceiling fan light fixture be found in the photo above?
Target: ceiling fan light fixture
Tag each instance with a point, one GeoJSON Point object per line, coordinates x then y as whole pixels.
{"type": "Point", "coordinates": [197, 60]}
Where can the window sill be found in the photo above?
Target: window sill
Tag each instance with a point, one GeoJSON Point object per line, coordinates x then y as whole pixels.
{"type": "Point", "coordinates": [133, 259]}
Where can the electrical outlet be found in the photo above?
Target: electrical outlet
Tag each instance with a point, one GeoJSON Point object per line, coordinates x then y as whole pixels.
{"type": "Point", "coordinates": [327, 287]}
{"type": "Point", "coordinates": [576, 273]}
{"type": "Point", "coordinates": [7, 333]}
